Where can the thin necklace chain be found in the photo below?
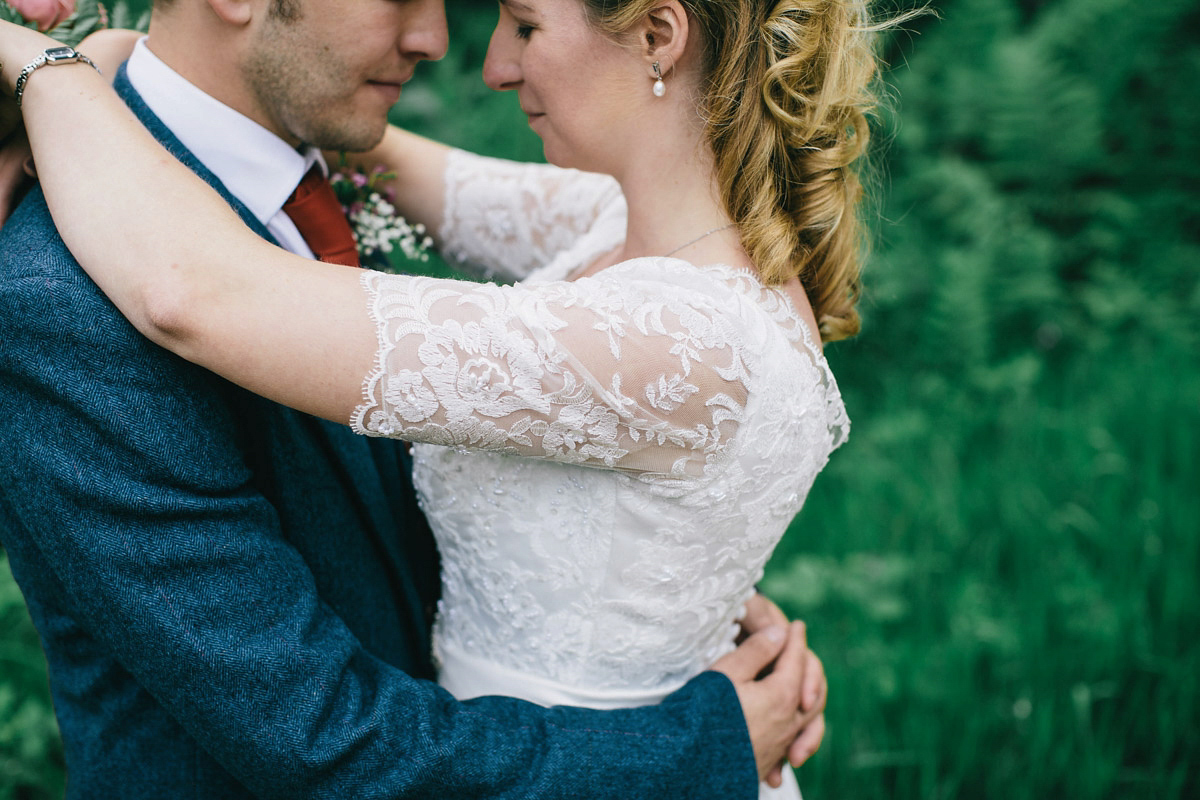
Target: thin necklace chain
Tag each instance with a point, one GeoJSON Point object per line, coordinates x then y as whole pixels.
{"type": "Point", "coordinates": [698, 238]}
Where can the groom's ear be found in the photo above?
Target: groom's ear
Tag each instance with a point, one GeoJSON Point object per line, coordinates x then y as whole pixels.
{"type": "Point", "coordinates": [235, 12]}
{"type": "Point", "coordinates": [664, 35]}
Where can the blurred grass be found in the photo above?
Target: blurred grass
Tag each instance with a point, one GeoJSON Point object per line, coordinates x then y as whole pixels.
{"type": "Point", "coordinates": [1000, 567]}
{"type": "Point", "coordinates": [31, 762]}
{"type": "Point", "coordinates": [1004, 593]}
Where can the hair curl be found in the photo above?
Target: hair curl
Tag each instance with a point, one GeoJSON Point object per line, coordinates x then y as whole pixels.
{"type": "Point", "coordinates": [786, 91]}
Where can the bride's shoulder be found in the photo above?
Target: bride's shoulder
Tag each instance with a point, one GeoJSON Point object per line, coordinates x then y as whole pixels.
{"type": "Point", "coordinates": [668, 273]}
{"type": "Point", "coordinates": [734, 291]}
{"type": "Point", "coordinates": [768, 317]}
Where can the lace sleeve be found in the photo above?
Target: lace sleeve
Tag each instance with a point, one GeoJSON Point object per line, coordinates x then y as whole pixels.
{"type": "Point", "coordinates": [508, 218]}
{"type": "Point", "coordinates": [630, 375]}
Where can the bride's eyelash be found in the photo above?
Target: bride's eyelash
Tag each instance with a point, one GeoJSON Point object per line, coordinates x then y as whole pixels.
{"type": "Point", "coordinates": [523, 31]}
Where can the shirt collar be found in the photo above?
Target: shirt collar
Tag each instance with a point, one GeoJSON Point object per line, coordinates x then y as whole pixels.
{"type": "Point", "coordinates": [256, 166]}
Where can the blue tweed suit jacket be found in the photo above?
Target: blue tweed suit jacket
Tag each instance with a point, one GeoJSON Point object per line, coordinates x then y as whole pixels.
{"type": "Point", "coordinates": [234, 597]}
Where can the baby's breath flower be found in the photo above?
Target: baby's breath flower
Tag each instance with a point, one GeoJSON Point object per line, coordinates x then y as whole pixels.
{"type": "Point", "coordinates": [378, 229]}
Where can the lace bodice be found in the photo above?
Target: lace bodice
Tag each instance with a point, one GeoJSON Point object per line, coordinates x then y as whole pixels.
{"type": "Point", "coordinates": [618, 455]}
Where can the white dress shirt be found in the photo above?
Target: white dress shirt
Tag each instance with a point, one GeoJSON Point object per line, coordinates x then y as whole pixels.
{"type": "Point", "coordinates": [256, 166]}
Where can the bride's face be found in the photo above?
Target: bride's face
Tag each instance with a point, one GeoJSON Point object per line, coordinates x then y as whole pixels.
{"type": "Point", "coordinates": [580, 89]}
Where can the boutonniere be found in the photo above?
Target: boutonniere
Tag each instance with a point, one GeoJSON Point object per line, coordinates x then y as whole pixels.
{"type": "Point", "coordinates": [384, 238]}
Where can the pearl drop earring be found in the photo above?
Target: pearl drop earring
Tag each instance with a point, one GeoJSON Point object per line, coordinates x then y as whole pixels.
{"type": "Point", "coordinates": [659, 87]}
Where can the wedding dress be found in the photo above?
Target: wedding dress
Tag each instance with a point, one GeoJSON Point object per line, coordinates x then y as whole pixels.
{"type": "Point", "coordinates": [607, 462]}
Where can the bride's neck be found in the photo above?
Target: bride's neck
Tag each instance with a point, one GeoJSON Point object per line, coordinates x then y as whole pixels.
{"type": "Point", "coordinates": [674, 207]}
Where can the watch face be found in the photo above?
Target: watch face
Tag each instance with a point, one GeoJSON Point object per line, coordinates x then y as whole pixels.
{"type": "Point", "coordinates": [56, 55]}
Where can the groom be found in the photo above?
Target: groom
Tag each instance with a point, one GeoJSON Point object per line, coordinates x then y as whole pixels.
{"type": "Point", "coordinates": [234, 598]}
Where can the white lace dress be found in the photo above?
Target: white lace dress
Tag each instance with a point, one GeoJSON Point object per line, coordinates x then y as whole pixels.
{"type": "Point", "coordinates": [607, 462]}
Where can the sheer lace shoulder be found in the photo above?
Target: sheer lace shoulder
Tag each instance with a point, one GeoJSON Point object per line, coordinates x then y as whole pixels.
{"type": "Point", "coordinates": [508, 219]}
{"type": "Point", "coordinates": [641, 375]}
{"type": "Point", "coordinates": [775, 306]}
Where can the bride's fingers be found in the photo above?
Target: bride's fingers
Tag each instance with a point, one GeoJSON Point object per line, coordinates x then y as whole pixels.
{"type": "Point", "coordinates": [774, 778]}
{"type": "Point", "coordinates": [753, 655]}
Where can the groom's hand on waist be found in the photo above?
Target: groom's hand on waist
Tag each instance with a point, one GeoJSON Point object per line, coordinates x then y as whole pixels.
{"type": "Point", "coordinates": [781, 685]}
{"type": "Point", "coordinates": [760, 614]}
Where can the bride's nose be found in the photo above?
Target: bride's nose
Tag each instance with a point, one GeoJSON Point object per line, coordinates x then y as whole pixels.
{"type": "Point", "coordinates": [501, 67]}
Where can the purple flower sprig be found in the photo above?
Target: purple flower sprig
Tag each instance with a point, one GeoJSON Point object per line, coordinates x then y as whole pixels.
{"type": "Point", "coordinates": [379, 231]}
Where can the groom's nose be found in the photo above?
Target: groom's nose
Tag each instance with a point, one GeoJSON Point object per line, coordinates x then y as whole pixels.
{"type": "Point", "coordinates": [424, 35]}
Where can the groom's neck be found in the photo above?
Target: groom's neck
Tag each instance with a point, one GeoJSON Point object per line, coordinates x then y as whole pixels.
{"type": "Point", "coordinates": [206, 54]}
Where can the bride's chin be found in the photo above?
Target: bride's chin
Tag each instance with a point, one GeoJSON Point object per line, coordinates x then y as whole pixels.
{"type": "Point", "coordinates": [553, 161]}
{"type": "Point", "coordinates": [581, 156]}
{"type": "Point", "coordinates": [556, 157]}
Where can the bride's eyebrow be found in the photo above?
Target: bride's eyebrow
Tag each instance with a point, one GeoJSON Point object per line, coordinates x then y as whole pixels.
{"type": "Point", "coordinates": [516, 4]}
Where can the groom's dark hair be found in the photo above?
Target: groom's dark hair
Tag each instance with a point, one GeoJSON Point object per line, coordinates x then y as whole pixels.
{"type": "Point", "coordinates": [286, 10]}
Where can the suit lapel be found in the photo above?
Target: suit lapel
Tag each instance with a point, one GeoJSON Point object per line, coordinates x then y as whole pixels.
{"type": "Point", "coordinates": [365, 467]}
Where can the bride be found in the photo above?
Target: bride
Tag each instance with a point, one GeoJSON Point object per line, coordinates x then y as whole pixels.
{"type": "Point", "coordinates": [610, 449]}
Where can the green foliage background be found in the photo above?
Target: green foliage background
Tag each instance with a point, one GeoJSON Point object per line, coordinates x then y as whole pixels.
{"type": "Point", "coordinates": [1000, 568]}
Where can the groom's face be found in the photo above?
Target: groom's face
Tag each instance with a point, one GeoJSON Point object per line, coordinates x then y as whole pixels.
{"type": "Point", "coordinates": [326, 72]}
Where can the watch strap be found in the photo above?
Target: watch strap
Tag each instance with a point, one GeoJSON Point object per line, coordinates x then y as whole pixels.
{"type": "Point", "coordinates": [54, 56]}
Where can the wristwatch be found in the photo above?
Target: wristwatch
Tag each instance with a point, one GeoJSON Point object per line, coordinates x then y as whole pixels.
{"type": "Point", "coordinates": [52, 57]}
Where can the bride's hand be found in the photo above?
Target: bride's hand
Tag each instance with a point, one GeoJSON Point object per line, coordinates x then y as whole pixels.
{"type": "Point", "coordinates": [772, 704]}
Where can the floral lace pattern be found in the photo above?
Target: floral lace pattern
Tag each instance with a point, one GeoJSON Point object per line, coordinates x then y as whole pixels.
{"type": "Point", "coordinates": [540, 219]}
{"type": "Point", "coordinates": [618, 455]}
{"type": "Point", "coordinates": [619, 374]}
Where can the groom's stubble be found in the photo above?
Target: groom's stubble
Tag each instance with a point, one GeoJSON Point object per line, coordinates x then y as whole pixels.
{"type": "Point", "coordinates": [320, 69]}
{"type": "Point", "coordinates": [294, 83]}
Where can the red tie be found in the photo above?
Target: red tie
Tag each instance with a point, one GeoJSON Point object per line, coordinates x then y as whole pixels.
{"type": "Point", "coordinates": [319, 218]}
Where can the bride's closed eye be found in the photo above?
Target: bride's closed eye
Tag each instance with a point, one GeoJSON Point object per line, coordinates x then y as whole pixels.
{"type": "Point", "coordinates": [507, 10]}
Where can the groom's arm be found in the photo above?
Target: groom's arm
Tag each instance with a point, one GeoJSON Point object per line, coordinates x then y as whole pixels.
{"type": "Point", "coordinates": [172, 560]}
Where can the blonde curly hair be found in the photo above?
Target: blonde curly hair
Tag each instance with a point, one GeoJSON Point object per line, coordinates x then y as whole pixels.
{"type": "Point", "coordinates": [786, 91]}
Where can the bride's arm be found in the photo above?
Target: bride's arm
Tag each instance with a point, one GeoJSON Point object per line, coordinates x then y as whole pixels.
{"type": "Point", "coordinates": [502, 218]}
{"type": "Point", "coordinates": [110, 48]}
{"type": "Point", "coordinates": [174, 257]}
{"type": "Point", "coordinates": [573, 372]}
